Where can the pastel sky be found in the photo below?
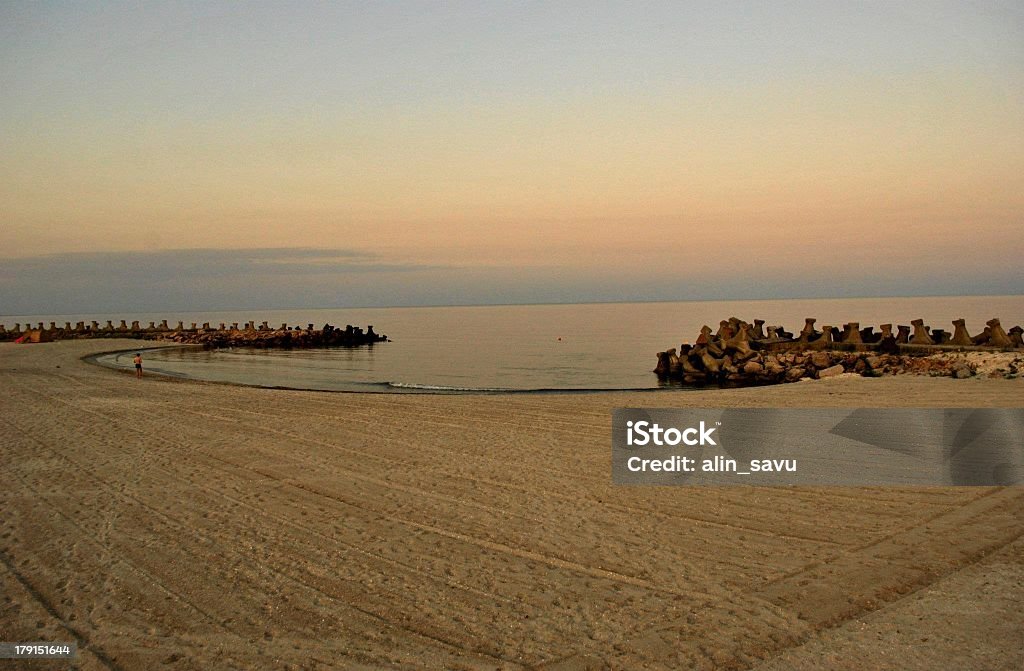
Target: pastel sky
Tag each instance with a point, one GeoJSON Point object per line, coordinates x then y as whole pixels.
{"type": "Point", "coordinates": [169, 155]}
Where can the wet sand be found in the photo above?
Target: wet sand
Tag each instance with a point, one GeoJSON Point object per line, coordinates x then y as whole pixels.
{"type": "Point", "coordinates": [185, 525]}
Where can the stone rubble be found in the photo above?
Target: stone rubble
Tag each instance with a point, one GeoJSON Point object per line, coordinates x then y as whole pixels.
{"type": "Point", "coordinates": [742, 354]}
{"type": "Point", "coordinates": [248, 335]}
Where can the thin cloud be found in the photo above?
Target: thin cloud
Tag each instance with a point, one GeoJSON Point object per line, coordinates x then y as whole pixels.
{"type": "Point", "coordinates": [194, 278]}
{"type": "Point", "coordinates": [206, 263]}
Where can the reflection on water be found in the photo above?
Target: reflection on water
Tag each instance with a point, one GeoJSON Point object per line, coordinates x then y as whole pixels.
{"type": "Point", "coordinates": [592, 346]}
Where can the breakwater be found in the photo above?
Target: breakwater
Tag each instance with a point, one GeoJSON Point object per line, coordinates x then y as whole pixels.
{"type": "Point", "coordinates": [743, 353]}
{"type": "Point", "coordinates": [249, 334]}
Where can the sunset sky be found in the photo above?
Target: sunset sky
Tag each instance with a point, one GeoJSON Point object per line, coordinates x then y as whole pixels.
{"type": "Point", "coordinates": [220, 155]}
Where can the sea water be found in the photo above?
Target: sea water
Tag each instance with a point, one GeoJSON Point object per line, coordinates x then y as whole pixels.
{"type": "Point", "coordinates": [514, 347]}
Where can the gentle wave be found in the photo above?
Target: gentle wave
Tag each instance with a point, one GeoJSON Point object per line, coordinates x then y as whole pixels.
{"type": "Point", "coordinates": [441, 387]}
{"type": "Point", "coordinates": [434, 388]}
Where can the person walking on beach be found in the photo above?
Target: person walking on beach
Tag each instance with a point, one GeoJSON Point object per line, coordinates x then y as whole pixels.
{"type": "Point", "coordinates": [138, 364]}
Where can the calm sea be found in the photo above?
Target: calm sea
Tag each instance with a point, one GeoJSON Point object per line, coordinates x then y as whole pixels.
{"type": "Point", "coordinates": [517, 347]}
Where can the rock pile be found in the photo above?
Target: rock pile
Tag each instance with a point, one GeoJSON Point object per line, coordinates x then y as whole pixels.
{"type": "Point", "coordinates": [249, 335]}
{"type": "Point", "coordinates": [741, 353]}
{"type": "Point", "coordinates": [282, 338]}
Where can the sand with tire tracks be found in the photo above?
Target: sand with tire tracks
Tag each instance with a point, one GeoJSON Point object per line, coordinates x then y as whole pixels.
{"type": "Point", "coordinates": [185, 525]}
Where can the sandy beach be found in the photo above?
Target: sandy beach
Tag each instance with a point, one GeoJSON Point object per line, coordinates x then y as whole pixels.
{"type": "Point", "coordinates": [187, 525]}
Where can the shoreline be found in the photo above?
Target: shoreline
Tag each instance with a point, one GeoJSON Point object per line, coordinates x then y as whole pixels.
{"type": "Point", "coordinates": [441, 390]}
{"type": "Point", "coordinates": [468, 531]}
{"type": "Point", "coordinates": [424, 390]}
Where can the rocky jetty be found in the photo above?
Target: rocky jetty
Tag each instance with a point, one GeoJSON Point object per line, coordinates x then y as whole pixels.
{"type": "Point", "coordinates": [223, 335]}
{"type": "Point", "coordinates": [741, 353]}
